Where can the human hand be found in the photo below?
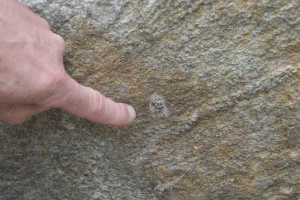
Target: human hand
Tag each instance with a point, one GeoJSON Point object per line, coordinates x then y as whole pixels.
{"type": "Point", "coordinates": [33, 78]}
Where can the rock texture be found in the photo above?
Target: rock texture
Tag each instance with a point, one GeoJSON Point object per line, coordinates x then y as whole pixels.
{"type": "Point", "coordinates": [216, 87]}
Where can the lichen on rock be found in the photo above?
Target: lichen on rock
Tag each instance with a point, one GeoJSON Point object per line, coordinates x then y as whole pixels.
{"type": "Point", "coordinates": [158, 107]}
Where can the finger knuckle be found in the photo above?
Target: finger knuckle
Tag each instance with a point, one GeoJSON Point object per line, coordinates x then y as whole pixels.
{"type": "Point", "coordinates": [56, 42]}
{"type": "Point", "coordinates": [45, 23]}
{"type": "Point", "coordinates": [59, 79]}
{"type": "Point", "coordinates": [59, 41]}
{"type": "Point", "coordinates": [55, 79]}
{"type": "Point", "coordinates": [50, 86]}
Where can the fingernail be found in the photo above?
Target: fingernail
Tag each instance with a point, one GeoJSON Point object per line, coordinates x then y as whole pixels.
{"type": "Point", "coordinates": [131, 111]}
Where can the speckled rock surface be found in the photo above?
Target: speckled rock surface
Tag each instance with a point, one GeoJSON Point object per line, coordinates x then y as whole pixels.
{"type": "Point", "coordinates": [216, 87]}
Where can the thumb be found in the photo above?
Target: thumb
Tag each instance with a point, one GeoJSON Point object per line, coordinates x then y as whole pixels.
{"type": "Point", "coordinates": [87, 103]}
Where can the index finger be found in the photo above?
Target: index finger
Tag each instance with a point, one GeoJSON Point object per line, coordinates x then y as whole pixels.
{"type": "Point", "coordinates": [87, 103]}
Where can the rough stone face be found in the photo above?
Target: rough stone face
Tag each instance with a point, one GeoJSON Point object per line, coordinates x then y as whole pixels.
{"type": "Point", "coordinates": [216, 87]}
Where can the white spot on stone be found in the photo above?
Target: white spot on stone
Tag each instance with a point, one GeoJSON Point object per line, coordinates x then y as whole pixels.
{"type": "Point", "coordinates": [158, 107]}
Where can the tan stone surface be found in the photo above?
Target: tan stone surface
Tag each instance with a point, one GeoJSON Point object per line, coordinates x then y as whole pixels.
{"type": "Point", "coordinates": [216, 89]}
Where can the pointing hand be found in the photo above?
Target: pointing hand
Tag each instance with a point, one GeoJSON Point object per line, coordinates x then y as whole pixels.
{"type": "Point", "coordinates": [33, 78]}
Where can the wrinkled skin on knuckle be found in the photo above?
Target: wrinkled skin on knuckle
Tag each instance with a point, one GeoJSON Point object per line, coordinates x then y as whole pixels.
{"type": "Point", "coordinates": [59, 79]}
{"type": "Point", "coordinates": [52, 88]}
{"type": "Point", "coordinates": [95, 103]}
{"type": "Point", "coordinates": [54, 80]}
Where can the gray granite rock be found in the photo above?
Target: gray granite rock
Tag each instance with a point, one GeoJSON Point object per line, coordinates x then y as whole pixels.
{"type": "Point", "coordinates": [216, 87]}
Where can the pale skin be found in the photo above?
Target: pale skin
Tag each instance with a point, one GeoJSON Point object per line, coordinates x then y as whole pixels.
{"type": "Point", "coordinates": [33, 78]}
